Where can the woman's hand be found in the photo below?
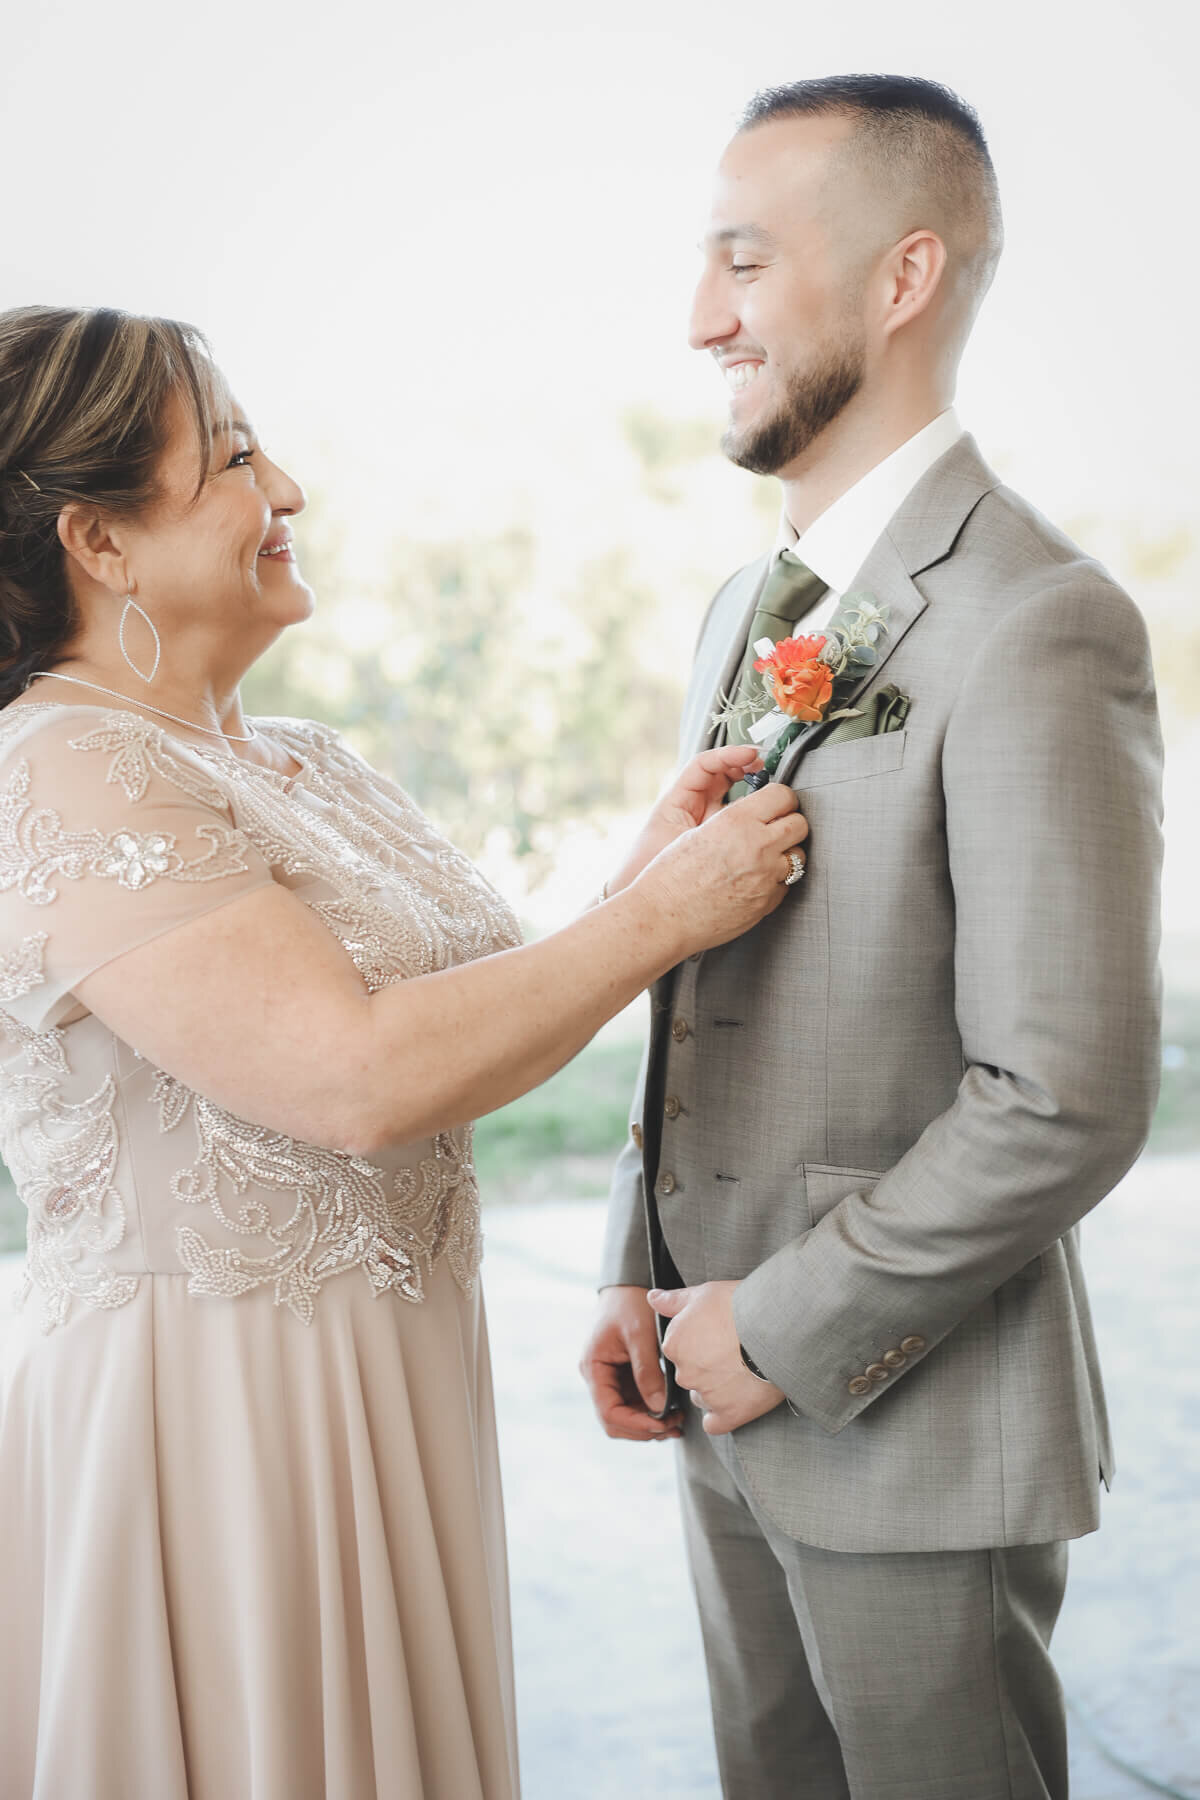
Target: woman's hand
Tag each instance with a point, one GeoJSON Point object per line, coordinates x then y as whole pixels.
{"type": "Point", "coordinates": [694, 796]}
{"type": "Point", "coordinates": [718, 879]}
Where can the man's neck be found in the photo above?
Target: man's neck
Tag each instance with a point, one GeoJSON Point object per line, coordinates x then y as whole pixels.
{"type": "Point", "coordinates": [850, 448]}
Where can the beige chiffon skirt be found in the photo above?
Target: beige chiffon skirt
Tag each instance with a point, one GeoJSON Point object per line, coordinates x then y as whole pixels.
{"type": "Point", "coordinates": [244, 1558]}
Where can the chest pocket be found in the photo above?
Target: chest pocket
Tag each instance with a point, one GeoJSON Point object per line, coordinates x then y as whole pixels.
{"type": "Point", "coordinates": [851, 761]}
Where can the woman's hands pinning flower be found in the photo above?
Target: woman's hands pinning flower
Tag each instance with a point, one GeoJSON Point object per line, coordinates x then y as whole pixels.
{"type": "Point", "coordinates": [696, 794]}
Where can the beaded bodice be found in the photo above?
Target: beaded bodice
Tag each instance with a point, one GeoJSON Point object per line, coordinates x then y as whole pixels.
{"type": "Point", "coordinates": [111, 832]}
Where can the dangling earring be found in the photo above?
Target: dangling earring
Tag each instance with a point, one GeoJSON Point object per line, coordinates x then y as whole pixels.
{"type": "Point", "coordinates": [130, 601]}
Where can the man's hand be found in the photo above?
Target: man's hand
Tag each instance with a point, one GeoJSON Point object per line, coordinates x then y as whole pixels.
{"type": "Point", "coordinates": [702, 1342]}
{"type": "Point", "coordinates": [621, 1367]}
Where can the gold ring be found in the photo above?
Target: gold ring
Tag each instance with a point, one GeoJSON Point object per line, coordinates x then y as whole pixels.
{"type": "Point", "coordinates": [795, 869]}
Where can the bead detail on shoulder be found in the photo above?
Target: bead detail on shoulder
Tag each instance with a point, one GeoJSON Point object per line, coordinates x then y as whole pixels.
{"type": "Point", "coordinates": [139, 750]}
{"type": "Point", "coordinates": [36, 850]}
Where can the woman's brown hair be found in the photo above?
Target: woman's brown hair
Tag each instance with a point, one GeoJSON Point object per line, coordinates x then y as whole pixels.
{"type": "Point", "coordinates": [83, 418]}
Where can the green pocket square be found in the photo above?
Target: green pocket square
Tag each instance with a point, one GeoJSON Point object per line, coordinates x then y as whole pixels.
{"type": "Point", "coordinates": [884, 710]}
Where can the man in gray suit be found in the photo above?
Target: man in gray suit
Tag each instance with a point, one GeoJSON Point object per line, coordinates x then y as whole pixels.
{"type": "Point", "coordinates": [866, 1132]}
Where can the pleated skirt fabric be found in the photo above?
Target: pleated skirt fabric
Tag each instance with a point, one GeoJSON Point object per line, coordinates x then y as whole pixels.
{"type": "Point", "coordinates": [246, 1558]}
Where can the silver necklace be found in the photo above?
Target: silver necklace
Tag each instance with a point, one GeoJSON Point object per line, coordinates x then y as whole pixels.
{"type": "Point", "coordinates": [229, 737]}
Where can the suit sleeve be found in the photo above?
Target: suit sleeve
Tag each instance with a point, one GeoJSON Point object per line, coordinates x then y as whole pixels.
{"type": "Point", "coordinates": [1051, 769]}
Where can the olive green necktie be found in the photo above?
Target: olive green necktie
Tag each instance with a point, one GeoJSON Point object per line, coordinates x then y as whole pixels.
{"type": "Point", "coordinates": [790, 590]}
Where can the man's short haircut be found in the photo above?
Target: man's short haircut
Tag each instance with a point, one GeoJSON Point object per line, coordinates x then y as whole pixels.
{"type": "Point", "coordinates": [919, 148]}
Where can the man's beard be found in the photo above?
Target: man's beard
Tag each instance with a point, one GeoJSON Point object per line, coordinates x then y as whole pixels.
{"type": "Point", "coordinates": [814, 398]}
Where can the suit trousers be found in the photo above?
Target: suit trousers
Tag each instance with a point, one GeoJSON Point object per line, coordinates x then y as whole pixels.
{"type": "Point", "coordinates": [922, 1675]}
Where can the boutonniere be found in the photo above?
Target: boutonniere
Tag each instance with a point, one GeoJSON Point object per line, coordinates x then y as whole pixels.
{"type": "Point", "coordinates": [805, 679]}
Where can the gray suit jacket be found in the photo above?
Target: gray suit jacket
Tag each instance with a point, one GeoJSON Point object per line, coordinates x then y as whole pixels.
{"type": "Point", "coordinates": [885, 1109]}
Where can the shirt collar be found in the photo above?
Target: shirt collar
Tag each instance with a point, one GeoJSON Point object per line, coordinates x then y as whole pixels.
{"type": "Point", "coordinates": [836, 544]}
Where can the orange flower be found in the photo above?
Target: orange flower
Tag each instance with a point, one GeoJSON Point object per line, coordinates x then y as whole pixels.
{"type": "Point", "coordinates": [802, 684]}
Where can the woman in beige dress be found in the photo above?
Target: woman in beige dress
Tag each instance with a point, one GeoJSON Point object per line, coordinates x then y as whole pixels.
{"type": "Point", "coordinates": [250, 1516]}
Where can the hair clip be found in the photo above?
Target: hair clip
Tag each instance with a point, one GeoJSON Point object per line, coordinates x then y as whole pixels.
{"type": "Point", "coordinates": [29, 478]}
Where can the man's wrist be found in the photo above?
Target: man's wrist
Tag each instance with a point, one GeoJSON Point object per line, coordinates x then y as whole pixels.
{"type": "Point", "coordinates": [753, 1366]}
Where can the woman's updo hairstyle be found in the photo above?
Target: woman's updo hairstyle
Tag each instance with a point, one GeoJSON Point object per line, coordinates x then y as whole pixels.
{"type": "Point", "coordinates": [84, 399]}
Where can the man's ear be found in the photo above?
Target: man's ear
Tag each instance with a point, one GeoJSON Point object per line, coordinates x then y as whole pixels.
{"type": "Point", "coordinates": [89, 540]}
{"type": "Point", "coordinates": [916, 268]}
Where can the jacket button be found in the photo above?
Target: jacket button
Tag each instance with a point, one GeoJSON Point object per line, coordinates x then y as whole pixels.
{"type": "Point", "coordinates": [638, 1136]}
{"type": "Point", "coordinates": [666, 1183]}
{"type": "Point", "coordinates": [910, 1345]}
{"type": "Point", "coordinates": [671, 1107]}
{"type": "Point", "coordinates": [877, 1372]}
{"type": "Point", "coordinates": [859, 1385]}
{"type": "Point", "coordinates": [895, 1359]}
{"type": "Point", "coordinates": [679, 1028]}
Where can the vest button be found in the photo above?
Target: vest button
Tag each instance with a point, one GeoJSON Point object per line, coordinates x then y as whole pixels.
{"type": "Point", "coordinates": [666, 1183]}
{"type": "Point", "coordinates": [671, 1107]}
{"type": "Point", "coordinates": [679, 1028]}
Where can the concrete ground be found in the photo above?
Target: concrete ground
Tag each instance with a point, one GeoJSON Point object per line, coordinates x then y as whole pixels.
{"type": "Point", "coordinates": [610, 1679]}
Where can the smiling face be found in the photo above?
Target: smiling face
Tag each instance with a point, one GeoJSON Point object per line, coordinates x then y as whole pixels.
{"type": "Point", "coordinates": [779, 303]}
{"type": "Point", "coordinates": [220, 561]}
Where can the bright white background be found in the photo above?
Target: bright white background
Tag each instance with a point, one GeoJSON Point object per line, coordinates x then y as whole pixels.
{"type": "Point", "coordinates": [433, 243]}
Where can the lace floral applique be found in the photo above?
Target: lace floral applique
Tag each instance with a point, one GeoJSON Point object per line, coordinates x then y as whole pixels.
{"type": "Point", "coordinates": [382, 945]}
{"type": "Point", "coordinates": [447, 1192]}
{"type": "Point", "coordinates": [63, 1156]}
{"type": "Point", "coordinates": [23, 968]}
{"type": "Point", "coordinates": [406, 902]}
{"type": "Point", "coordinates": [459, 914]}
{"type": "Point", "coordinates": [139, 750]}
{"type": "Point", "coordinates": [36, 848]}
{"type": "Point", "coordinates": [344, 1216]}
{"type": "Point", "coordinates": [135, 859]}
{"type": "Point", "coordinates": [21, 971]}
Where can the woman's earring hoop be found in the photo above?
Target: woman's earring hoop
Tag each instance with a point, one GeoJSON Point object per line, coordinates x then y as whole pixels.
{"type": "Point", "coordinates": [131, 602]}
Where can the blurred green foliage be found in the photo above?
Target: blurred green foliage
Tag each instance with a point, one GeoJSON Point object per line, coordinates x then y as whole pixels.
{"type": "Point", "coordinates": [494, 726]}
{"type": "Point", "coordinates": [559, 1141]}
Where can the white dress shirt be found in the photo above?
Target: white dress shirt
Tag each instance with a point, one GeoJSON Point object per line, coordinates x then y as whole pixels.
{"type": "Point", "coordinates": [836, 544]}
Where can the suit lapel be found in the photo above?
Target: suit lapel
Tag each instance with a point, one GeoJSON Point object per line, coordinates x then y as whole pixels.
{"type": "Point", "coordinates": [884, 577]}
{"type": "Point", "coordinates": [922, 532]}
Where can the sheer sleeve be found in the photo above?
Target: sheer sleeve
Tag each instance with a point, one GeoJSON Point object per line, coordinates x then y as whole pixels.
{"type": "Point", "coordinates": [110, 835]}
